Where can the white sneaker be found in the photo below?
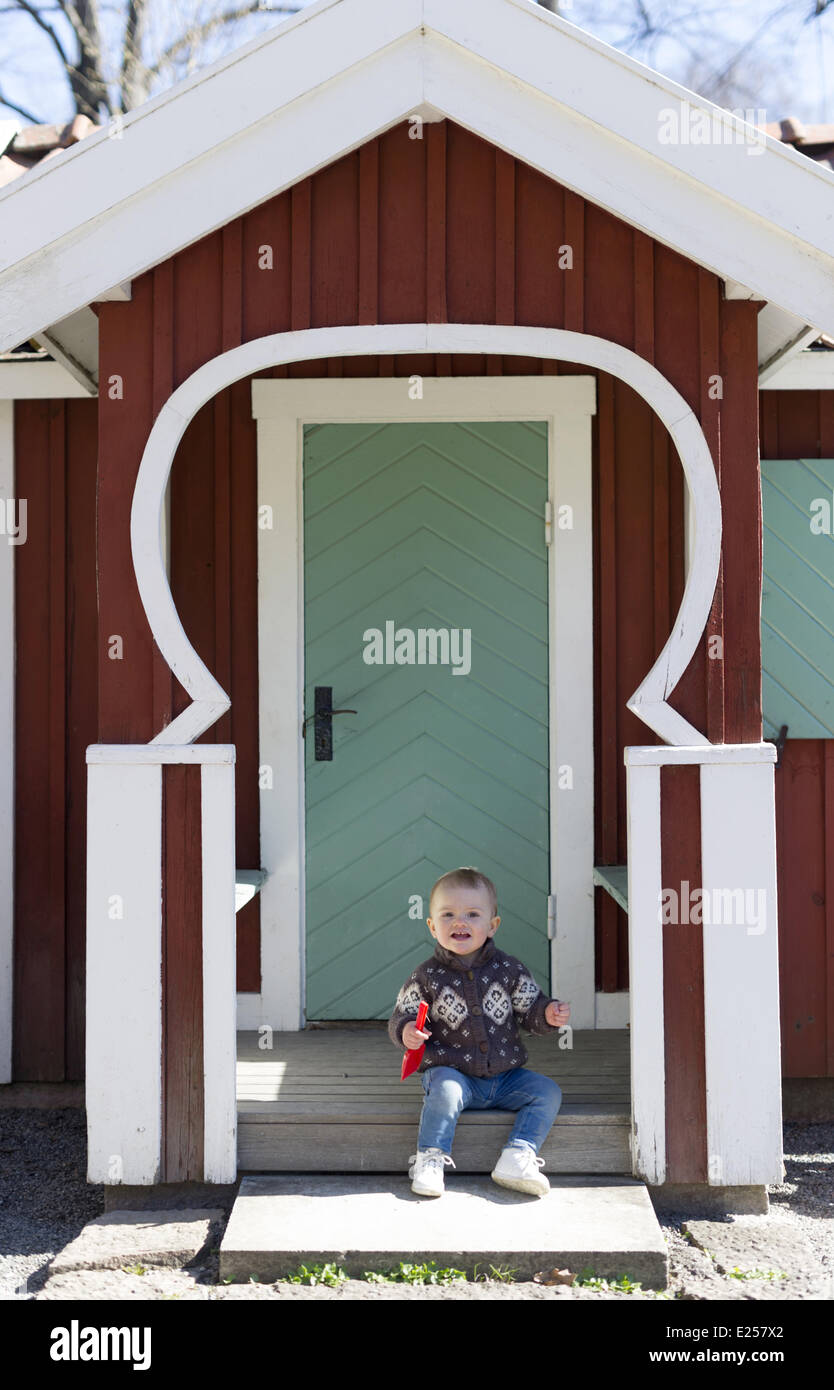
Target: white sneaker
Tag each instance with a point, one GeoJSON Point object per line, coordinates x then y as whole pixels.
{"type": "Point", "coordinates": [520, 1168]}
{"type": "Point", "coordinates": [427, 1172]}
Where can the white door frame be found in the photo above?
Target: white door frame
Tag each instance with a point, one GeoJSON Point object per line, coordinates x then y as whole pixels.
{"type": "Point", "coordinates": [282, 408]}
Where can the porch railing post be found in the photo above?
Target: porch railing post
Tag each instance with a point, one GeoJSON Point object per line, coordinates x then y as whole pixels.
{"type": "Point", "coordinates": [126, 894]}
{"type": "Point", "coordinates": [735, 907]}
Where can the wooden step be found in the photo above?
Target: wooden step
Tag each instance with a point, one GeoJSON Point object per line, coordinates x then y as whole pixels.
{"type": "Point", "coordinates": [331, 1101]}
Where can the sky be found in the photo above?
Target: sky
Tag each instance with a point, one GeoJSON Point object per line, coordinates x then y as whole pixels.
{"type": "Point", "coordinates": [779, 60]}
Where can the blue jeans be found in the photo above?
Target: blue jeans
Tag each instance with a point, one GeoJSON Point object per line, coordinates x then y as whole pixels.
{"type": "Point", "coordinates": [448, 1092]}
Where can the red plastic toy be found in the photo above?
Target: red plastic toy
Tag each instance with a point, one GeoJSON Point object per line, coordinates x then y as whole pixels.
{"type": "Point", "coordinates": [414, 1055]}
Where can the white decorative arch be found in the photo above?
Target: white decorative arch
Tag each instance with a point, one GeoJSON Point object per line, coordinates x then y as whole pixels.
{"type": "Point", "coordinates": [210, 701]}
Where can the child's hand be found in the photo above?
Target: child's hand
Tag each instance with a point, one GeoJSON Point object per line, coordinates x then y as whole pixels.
{"type": "Point", "coordinates": [414, 1037]}
{"type": "Point", "coordinates": [557, 1013]}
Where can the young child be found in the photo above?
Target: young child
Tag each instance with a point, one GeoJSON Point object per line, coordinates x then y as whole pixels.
{"type": "Point", "coordinates": [474, 1057]}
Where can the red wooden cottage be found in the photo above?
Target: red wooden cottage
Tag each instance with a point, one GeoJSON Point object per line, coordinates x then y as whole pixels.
{"type": "Point", "coordinates": [406, 363]}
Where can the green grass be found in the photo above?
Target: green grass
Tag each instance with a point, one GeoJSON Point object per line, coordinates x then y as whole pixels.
{"type": "Point", "coordinates": [415, 1274]}
{"type": "Point", "coordinates": [588, 1280]}
{"type": "Point", "coordinates": [737, 1273]}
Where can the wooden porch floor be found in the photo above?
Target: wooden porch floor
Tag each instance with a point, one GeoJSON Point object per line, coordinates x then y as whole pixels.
{"type": "Point", "coordinates": [331, 1100]}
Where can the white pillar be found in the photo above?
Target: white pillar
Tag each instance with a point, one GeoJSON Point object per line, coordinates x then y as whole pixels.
{"type": "Point", "coordinates": [124, 971]}
{"type": "Point", "coordinates": [741, 974]}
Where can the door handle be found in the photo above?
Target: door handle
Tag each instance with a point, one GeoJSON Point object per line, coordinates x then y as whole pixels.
{"type": "Point", "coordinates": [323, 716]}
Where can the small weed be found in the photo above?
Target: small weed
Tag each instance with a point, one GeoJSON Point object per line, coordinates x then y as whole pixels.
{"type": "Point", "coordinates": [330, 1275]}
{"type": "Point", "coordinates": [588, 1280]}
{"type": "Point", "coordinates": [498, 1274]}
{"type": "Point", "coordinates": [134, 1269]}
{"type": "Point", "coordinates": [415, 1274]}
{"type": "Point", "coordinates": [737, 1273]}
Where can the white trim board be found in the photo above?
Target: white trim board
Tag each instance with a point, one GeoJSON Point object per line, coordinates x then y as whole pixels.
{"type": "Point", "coordinates": [809, 370]}
{"type": "Point", "coordinates": [305, 93]}
{"type": "Point", "coordinates": [7, 747]}
{"type": "Point", "coordinates": [26, 381]}
{"type": "Point", "coordinates": [209, 701]}
{"type": "Point", "coordinates": [281, 409]}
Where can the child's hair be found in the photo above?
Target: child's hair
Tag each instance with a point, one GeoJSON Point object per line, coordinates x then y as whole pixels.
{"type": "Point", "coordinates": [467, 878]}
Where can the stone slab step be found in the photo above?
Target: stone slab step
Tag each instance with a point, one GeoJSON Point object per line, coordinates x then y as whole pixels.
{"type": "Point", "coordinates": [362, 1222]}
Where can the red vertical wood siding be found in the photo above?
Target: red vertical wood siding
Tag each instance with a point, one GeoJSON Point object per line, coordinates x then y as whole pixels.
{"type": "Point", "coordinates": [443, 228]}
{"type": "Point", "coordinates": [56, 717]}
{"type": "Point", "coordinates": [800, 424]}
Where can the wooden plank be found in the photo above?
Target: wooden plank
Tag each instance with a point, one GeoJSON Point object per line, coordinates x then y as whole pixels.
{"type": "Point", "coordinates": [82, 703]}
{"type": "Point", "coordinates": [334, 245]}
{"type": "Point", "coordinates": [125, 352]}
{"type": "Point", "coordinates": [677, 356]}
{"type": "Point", "coordinates": [302, 1147]}
{"type": "Point", "coordinates": [435, 137]}
{"type": "Point", "coordinates": [643, 253]}
{"type": "Point", "coordinates": [38, 987]}
{"type": "Point", "coordinates": [231, 244]}
{"type": "Point", "coordinates": [709, 415]}
{"type": "Point", "coordinates": [402, 228]}
{"type": "Point", "coordinates": [742, 512]}
{"type": "Point", "coordinates": [504, 238]}
{"type": "Point", "coordinates": [683, 981]}
{"type": "Point", "coordinates": [368, 232]}
{"type": "Point", "coordinates": [540, 237]}
{"type": "Point", "coordinates": [266, 258]}
{"type": "Point", "coordinates": [301, 205]}
{"type": "Point", "coordinates": [470, 228]}
{"type": "Point", "coordinates": [607, 277]}
{"type": "Point", "coordinates": [163, 385]}
{"type": "Point", "coordinates": [56, 728]}
{"type": "Point", "coordinates": [182, 989]}
{"type": "Point", "coordinates": [575, 279]}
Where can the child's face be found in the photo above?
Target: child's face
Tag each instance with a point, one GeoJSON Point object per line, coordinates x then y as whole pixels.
{"type": "Point", "coordinates": [460, 919]}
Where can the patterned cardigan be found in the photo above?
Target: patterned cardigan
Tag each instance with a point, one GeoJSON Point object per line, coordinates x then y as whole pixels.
{"type": "Point", "coordinates": [475, 1007]}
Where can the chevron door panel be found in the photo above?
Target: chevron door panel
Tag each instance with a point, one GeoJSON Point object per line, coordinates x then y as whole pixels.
{"type": "Point", "coordinates": [411, 527]}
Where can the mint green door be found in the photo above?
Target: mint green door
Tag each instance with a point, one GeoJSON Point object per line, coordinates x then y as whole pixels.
{"type": "Point", "coordinates": [425, 584]}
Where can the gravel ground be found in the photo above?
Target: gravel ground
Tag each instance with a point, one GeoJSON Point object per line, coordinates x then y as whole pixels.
{"type": "Point", "coordinates": [45, 1202]}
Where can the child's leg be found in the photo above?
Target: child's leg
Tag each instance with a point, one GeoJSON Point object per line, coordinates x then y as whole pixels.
{"type": "Point", "coordinates": [447, 1092]}
{"type": "Point", "coordinates": [537, 1099]}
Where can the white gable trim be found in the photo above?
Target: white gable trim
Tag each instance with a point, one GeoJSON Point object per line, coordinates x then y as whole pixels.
{"type": "Point", "coordinates": [344, 71]}
{"type": "Point", "coordinates": [210, 701]}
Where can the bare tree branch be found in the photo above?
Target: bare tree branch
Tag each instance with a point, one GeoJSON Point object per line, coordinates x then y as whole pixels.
{"type": "Point", "coordinates": [201, 32]}
{"type": "Point", "coordinates": [47, 28]}
{"type": "Point", "coordinates": [21, 111]}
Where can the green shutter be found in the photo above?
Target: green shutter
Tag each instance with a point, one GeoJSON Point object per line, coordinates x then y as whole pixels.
{"type": "Point", "coordinates": [798, 598]}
